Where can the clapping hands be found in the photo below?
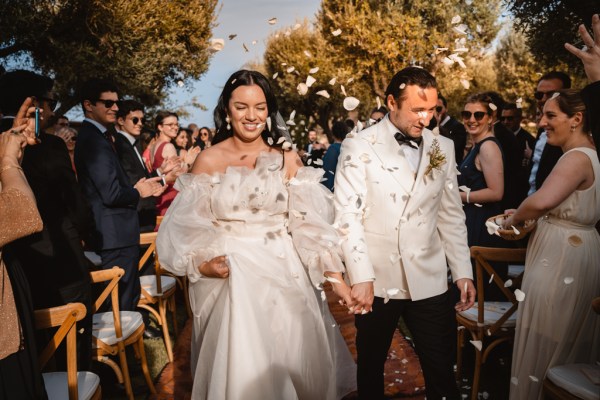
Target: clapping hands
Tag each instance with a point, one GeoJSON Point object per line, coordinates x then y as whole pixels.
{"type": "Point", "coordinates": [590, 57]}
{"type": "Point", "coordinates": [149, 187]}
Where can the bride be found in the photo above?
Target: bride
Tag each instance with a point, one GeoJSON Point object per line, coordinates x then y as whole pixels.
{"type": "Point", "coordinates": [245, 223]}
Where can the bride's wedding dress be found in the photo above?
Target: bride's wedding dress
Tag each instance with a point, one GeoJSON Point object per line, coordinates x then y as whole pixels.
{"type": "Point", "coordinates": [264, 332]}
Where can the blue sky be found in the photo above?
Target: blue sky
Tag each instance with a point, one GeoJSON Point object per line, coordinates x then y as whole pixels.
{"type": "Point", "coordinates": [248, 19]}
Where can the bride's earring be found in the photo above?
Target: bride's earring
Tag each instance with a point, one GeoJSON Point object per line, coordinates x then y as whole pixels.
{"type": "Point", "coordinates": [228, 120]}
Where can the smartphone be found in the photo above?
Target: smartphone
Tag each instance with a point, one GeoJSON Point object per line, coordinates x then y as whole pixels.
{"type": "Point", "coordinates": [37, 123]}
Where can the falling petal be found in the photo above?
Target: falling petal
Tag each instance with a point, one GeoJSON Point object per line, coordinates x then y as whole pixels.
{"type": "Point", "coordinates": [290, 122]}
{"type": "Point", "coordinates": [343, 89]}
{"type": "Point", "coordinates": [272, 21]}
{"type": "Point", "coordinates": [447, 61]}
{"type": "Point", "coordinates": [514, 380]}
{"type": "Point", "coordinates": [464, 188]}
{"type": "Point", "coordinates": [466, 84]}
{"type": "Point", "coordinates": [180, 83]}
{"type": "Point", "coordinates": [533, 378]}
{"type": "Point", "coordinates": [350, 103]}
{"type": "Point", "coordinates": [318, 161]}
{"type": "Point", "coordinates": [313, 70]}
{"type": "Point", "coordinates": [508, 283]}
{"type": "Point", "coordinates": [254, 42]}
{"type": "Point", "coordinates": [493, 107]}
{"type": "Point", "coordinates": [275, 75]}
{"type": "Point", "coordinates": [477, 205]}
{"type": "Point", "coordinates": [350, 80]}
{"type": "Point", "coordinates": [439, 50]}
{"type": "Point", "coordinates": [286, 146]}
{"type": "Point", "coordinates": [323, 296]}
{"type": "Point", "coordinates": [460, 29]}
{"type": "Point", "coordinates": [515, 230]}
{"type": "Point", "coordinates": [332, 81]}
{"type": "Point", "coordinates": [402, 86]}
{"type": "Point", "coordinates": [269, 123]}
{"type": "Point", "coordinates": [520, 296]}
{"type": "Point", "coordinates": [491, 279]}
{"type": "Point", "coordinates": [451, 186]}
{"type": "Point", "coordinates": [310, 80]}
{"type": "Point", "coordinates": [216, 45]}
{"type": "Point", "coordinates": [332, 280]}
{"type": "Point", "coordinates": [270, 141]}
{"type": "Point", "coordinates": [378, 100]}
{"type": "Point", "coordinates": [569, 280]}
{"type": "Point", "coordinates": [478, 28]}
{"type": "Point", "coordinates": [337, 32]}
{"type": "Point", "coordinates": [302, 88]}
{"type": "Point", "coordinates": [455, 20]}
{"type": "Point", "coordinates": [307, 53]}
{"type": "Point", "coordinates": [461, 50]}
{"type": "Point", "coordinates": [323, 93]}
{"type": "Point", "coordinates": [293, 114]}
{"type": "Point", "coordinates": [280, 140]}
{"type": "Point", "coordinates": [477, 344]}
{"type": "Point", "coordinates": [290, 69]}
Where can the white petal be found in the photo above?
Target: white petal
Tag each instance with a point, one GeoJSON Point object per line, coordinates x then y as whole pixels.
{"type": "Point", "coordinates": [350, 103]}
{"type": "Point", "coordinates": [313, 70]}
{"type": "Point", "coordinates": [533, 378]}
{"type": "Point", "coordinates": [310, 80]}
{"type": "Point", "coordinates": [492, 106]}
{"type": "Point", "coordinates": [337, 32]}
{"type": "Point", "coordinates": [280, 140]}
{"type": "Point", "coordinates": [477, 27]}
{"type": "Point", "coordinates": [343, 89]}
{"type": "Point", "coordinates": [492, 228]}
{"type": "Point", "coordinates": [286, 146]}
{"type": "Point", "coordinates": [465, 83]}
{"type": "Point", "coordinates": [491, 279]}
{"type": "Point", "coordinates": [269, 123]}
{"type": "Point", "coordinates": [350, 80]}
{"type": "Point", "coordinates": [332, 81]}
{"type": "Point", "coordinates": [332, 280]}
{"type": "Point", "coordinates": [447, 61]}
{"type": "Point", "coordinates": [378, 100]}
{"type": "Point", "coordinates": [514, 380]}
{"type": "Point", "coordinates": [455, 20]}
{"type": "Point", "coordinates": [290, 122]}
{"type": "Point", "coordinates": [323, 296]}
{"type": "Point", "coordinates": [439, 50]}
{"type": "Point", "coordinates": [568, 280]}
{"type": "Point", "coordinates": [323, 93]}
{"type": "Point", "coordinates": [270, 141]}
{"type": "Point", "coordinates": [515, 230]}
{"type": "Point", "coordinates": [460, 29]}
{"type": "Point", "coordinates": [307, 53]}
{"type": "Point", "coordinates": [302, 88]}
{"type": "Point", "coordinates": [293, 114]}
{"type": "Point", "coordinates": [451, 186]}
{"type": "Point", "coordinates": [290, 69]}
{"type": "Point", "coordinates": [519, 295]}
{"type": "Point", "coordinates": [393, 291]}
{"type": "Point", "coordinates": [477, 205]}
{"type": "Point", "coordinates": [275, 75]}
{"type": "Point", "coordinates": [402, 86]}
{"type": "Point", "coordinates": [477, 344]}
{"type": "Point", "coordinates": [464, 188]}
{"type": "Point", "coordinates": [508, 283]}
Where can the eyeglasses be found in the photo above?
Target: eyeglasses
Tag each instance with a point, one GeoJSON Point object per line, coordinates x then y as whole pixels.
{"type": "Point", "coordinates": [540, 95]}
{"type": "Point", "coordinates": [52, 103]}
{"type": "Point", "coordinates": [466, 115]}
{"type": "Point", "coordinates": [508, 118]}
{"type": "Point", "coordinates": [107, 103]}
{"type": "Point", "coordinates": [172, 125]}
{"type": "Point", "coordinates": [137, 120]}
{"type": "Point", "coordinates": [439, 109]}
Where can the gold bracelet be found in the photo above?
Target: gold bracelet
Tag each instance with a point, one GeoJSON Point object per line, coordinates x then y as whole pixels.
{"type": "Point", "coordinates": [9, 167]}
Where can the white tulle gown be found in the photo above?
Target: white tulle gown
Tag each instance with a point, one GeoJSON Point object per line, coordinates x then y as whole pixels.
{"type": "Point", "coordinates": [263, 333]}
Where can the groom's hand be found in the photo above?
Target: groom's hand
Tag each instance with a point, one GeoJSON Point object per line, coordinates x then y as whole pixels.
{"type": "Point", "coordinates": [362, 294]}
{"type": "Point", "coordinates": [467, 294]}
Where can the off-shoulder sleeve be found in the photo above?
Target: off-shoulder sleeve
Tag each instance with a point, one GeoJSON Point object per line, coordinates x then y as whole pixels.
{"type": "Point", "coordinates": [311, 217]}
{"type": "Point", "coordinates": [19, 216]}
{"type": "Point", "coordinates": [186, 237]}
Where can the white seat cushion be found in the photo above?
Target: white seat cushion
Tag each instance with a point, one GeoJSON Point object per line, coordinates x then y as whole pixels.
{"type": "Point", "coordinates": [93, 257]}
{"type": "Point", "coordinates": [515, 270]}
{"type": "Point", "coordinates": [148, 283]}
{"type": "Point", "coordinates": [492, 312]}
{"type": "Point", "coordinates": [104, 326]}
{"type": "Point", "coordinates": [573, 380]}
{"type": "Point", "coordinates": [58, 389]}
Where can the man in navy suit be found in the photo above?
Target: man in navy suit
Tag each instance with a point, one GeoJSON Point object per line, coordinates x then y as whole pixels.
{"type": "Point", "coordinates": [106, 185]}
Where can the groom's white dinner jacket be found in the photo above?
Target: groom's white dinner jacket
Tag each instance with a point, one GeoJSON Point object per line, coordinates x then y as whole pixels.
{"type": "Point", "coordinates": [401, 231]}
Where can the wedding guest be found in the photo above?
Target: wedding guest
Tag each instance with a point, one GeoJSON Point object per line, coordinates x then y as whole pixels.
{"type": "Point", "coordinates": [20, 375]}
{"type": "Point", "coordinates": [482, 175]}
{"type": "Point", "coordinates": [377, 114]}
{"type": "Point", "coordinates": [183, 141]}
{"type": "Point", "coordinates": [339, 130]}
{"type": "Point", "coordinates": [205, 137]}
{"type": "Point", "coordinates": [563, 255]}
{"type": "Point", "coordinates": [404, 226]}
{"type": "Point", "coordinates": [451, 128]}
{"type": "Point", "coordinates": [166, 124]}
{"type": "Point", "coordinates": [69, 135]}
{"type": "Point", "coordinates": [258, 326]}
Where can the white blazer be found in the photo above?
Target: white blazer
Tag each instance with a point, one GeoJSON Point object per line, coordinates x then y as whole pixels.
{"type": "Point", "coordinates": [401, 231]}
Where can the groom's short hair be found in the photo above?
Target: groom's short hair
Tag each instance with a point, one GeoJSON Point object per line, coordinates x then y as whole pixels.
{"type": "Point", "coordinates": [409, 76]}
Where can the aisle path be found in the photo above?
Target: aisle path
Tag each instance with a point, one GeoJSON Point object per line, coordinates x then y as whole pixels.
{"type": "Point", "coordinates": [403, 376]}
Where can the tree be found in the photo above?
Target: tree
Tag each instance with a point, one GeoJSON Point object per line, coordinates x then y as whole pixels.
{"type": "Point", "coordinates": [145, 46]}
{"type": "Point", "coordinates": [549, 24]}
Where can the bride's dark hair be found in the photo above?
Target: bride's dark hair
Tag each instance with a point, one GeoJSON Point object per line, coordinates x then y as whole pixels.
{"type": "Point", "coordinates": [248, 78]}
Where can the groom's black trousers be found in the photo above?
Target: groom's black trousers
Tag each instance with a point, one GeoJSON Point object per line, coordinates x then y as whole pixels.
{"type": "Point", "coordinates": [432, 323]}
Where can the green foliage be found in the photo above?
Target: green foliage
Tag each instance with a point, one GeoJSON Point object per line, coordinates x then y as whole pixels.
{"type": "Point", "coordinates": [549, 24]}
{"type": "Point", "coordinates": [146, 46]}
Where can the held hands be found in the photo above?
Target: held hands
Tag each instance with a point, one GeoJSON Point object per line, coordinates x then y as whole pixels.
{"type": "Point", "coordinates": [218, 267]}
{"type": "Point", "coordinates": [340, 288]}
{"type": "Point", "coordinates": [362, 293]}
{"type": "Point", "coordinates": [591, 57]}
{"type": "Point", "coordinates": [467, 294]}
{"type": "Point", "coordinates": [149, 187]}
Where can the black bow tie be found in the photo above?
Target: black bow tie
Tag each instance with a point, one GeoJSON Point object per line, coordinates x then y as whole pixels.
{"type": "Point", "coordinates": [413, 142]}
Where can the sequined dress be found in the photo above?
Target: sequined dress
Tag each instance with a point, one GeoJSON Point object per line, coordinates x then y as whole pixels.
{"type": "Point", "coordinates": [263, 333]}
{"type": "Point", "coordinates": [556, 324]}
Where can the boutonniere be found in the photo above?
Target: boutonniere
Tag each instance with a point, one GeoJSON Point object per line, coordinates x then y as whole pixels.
{"type": "Point", "coordinates": [437, 158]}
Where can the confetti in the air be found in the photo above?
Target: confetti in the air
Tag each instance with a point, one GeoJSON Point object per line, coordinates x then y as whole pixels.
{"type": "Point", "coordinates": [323, 93]}
{"type": "Point", "coordinates": [350, 103]}
{"type": "Point", "coordinates": [519, 295]}
{"type": "Point", "coordinates": [310, 80]}
{"type": "Point", "coordinates": [313, 70]}
{"type": "Point", "coordinates": [337, 32]}
{"type": "Point", "coordinates": [332, 81]}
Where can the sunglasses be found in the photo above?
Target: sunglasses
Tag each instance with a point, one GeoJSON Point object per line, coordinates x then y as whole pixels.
{"type": "Point", "coordinates": [507, 118]}
{"type": "Point", "coordinates": [540, 95]}
{"type": "Point", "coordinates": [466, 115]}
{"type": "Point", "coordinates": [439, 109]}
{"type": "Point", "coordinates": [107, 103]}
{"type": "Point", "coordinates": [137, 120]}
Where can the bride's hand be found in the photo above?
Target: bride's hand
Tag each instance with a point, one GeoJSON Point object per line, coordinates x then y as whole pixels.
{"type": "Point", "coordinates": [218, 267]}
{"type": "Point", "coordinates": [340, 288]}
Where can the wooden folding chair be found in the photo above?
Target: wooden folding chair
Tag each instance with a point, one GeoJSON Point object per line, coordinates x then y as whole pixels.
{"type": "Point", "coordinates": [113, 331]}
{"type": "Point", "coordinates": [490, 323]}
{"type": "Point", "coordinates": [570, 382]}
{"type": "Point", "coordinates": [158, 289]}
{"type": "Point", "coordinates": [72, 384]}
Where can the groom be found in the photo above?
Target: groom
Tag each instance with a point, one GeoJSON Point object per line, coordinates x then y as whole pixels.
{"type": "Point", "coordinates": [396, 197]}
